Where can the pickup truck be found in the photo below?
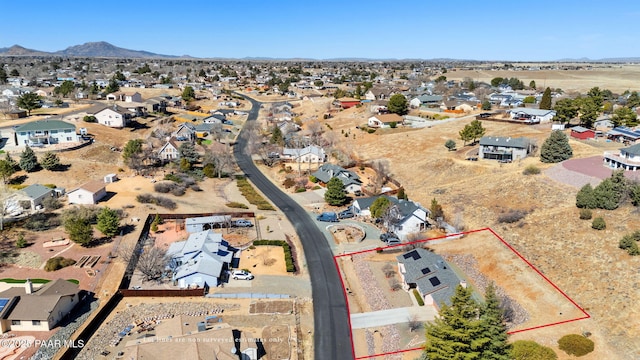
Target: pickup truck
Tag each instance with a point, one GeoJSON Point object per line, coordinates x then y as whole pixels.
{"type": "Point", "coordinates": [242, 223]}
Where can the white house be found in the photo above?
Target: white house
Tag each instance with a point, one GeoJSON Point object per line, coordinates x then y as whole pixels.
{"type": "Point", "coordinates": [23, 308]}
{"type": "Point", "coordinates": [407, 217]}
{"type": "Point", "coordinates": [113, 116]}
{"type": "Point", "coordinates": [310, 154]}
{"type": "Point", "coordinates": [200, 260]}
{"type": "Point", "coordinates": [135, 97]}
{"type": "Point", "coordinates": [88, 194]}
{"type": "Point", "coordinates": [202, 223]}
{"type": "Point", "coordinates": [532, 116]}
{"type": "Point", "coordinates": [385, 120]}
{"type": "Point", "coordinates": [45, 132]}
{"type": "Point", "coordinates": [169, 151]}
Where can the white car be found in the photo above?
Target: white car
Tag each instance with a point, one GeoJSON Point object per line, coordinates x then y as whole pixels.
{"type": "Point", "coordinates": [241, 275]}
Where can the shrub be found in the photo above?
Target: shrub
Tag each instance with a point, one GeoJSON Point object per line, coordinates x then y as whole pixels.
{"type": "Point", "coordinates": [314, 179]}
{"type": "Point", "coordinates": [288, 182]}
{"type": "Point", "coordinates": [89, 119]}
{"type": "Point", "coordinates": [531, 350]}
{"type": "Point", "coordinates": [585, 214]}
{"type": "Point", "coordinates": [163, 187]}
{"type": "Point", "coordinates": [157, 200]}
{"type": "Point", "coordinates": [301, 190]}
{"type": "Point", "coordinates": [209, 171]}
{"type": "Point", "coordinates": [599, 224]}
{"type": "Point", "coordinates": [58, 262]}
{"type": "Point", "coordinates": [512, 216]}
{"type": "Point", "coordinates": [629, 242]}
{"type": "Point", "coordinates": [42, 222]}
{"type": "Point", "coordinates": [237, 205]}
{"type": "Point", "coordinates": [178, 190]}
{"type": "Point", "coordinates": [531, 170]}
{"type": "Point", "coordinates": [195, 187]}
{"type": "Point", "coordinates": [317, 187]}
{"type": "Point", "coordinates": [51, 203]}
{"type": "Point", "coordinates": [21, 242]}
{"type": "Point", "coordinates": [251, 195]}
{"type": "Point", "coordinates": [371, 131]}
{"type": "Point", "coordinates": [145, 198]}
{"type": "Point", "coordinates": [418, 297]}
{"type": "Point", "coordinates": [173, 177]}
{"type": "Point", "coordinates": [50, 186]}
{"type": "Point", "coordinates": [574, 344]}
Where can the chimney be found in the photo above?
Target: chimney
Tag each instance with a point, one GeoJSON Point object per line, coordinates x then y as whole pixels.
{"type": "Point", "coordinates": [28, 287]}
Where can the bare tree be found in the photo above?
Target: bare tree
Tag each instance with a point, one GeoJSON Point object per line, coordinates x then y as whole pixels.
{"type": "Point", "coordinates": [413, 323]}
{"type": "Point", "coordinates": [124, 252]}
{"type": "Point", "coordinates": [394, 284]}
{"type": "Point", "coordinates": [315, 130]}
{"type": "Point", "coordinates": [381, 167]}
{"type": "Point", "coordinates": [220, 156]}
{"type": "Point", "coordinates": [152, 262]}
{"type": "Point", "coordinates": [388, 270]}
{"type": "Point", "coordinates": [5, 206]}
{"type": "Point", "coordinates": [330, 139]}
{"type": "Point", "coordinates": [5, 108]}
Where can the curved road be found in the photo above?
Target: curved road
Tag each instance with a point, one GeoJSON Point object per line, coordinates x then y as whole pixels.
{"type": "Point", "coordinates": [332, 335]}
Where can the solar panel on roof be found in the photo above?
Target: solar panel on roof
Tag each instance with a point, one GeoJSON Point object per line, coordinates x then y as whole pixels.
{"type": "Point", "coordinates": [434, 281]}
{"type": "Point", "coordinates": [3, 303]}
{"type": "Point", "coordinates": [412, 254]}
{"type": "Point", "coordinates": [426, 271]}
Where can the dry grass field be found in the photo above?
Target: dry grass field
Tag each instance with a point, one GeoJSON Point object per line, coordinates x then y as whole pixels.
{"type": "Point", "coordinates": [585, 263]}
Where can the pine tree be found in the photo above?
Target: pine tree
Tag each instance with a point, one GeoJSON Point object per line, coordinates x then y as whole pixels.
{"type": "Point", "coordinates": [493, 336]}
{"type": "Point", "coordinates": [545, 102]}
{"type": "Point", "coordinates": [452, 335]}
{"type": "Point", "coordinates": [108, 222]}
{"type": "Point", "coordinates": [50, 161]}
{"type": "Point", "coordinates": [555, 148]}
{"type": "Point", "coordinates": [28, 160]}
{"type": "Point", "coordinates": [80, 230]}
{"type": "Point", "coordinates": [335, 194]}
{"type": "Point", "coordinates": [585, 198]}
{"type": "Point", "coordinates": [276, 136]}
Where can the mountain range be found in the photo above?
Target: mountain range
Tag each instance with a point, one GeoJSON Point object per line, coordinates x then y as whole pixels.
{"type": "Point", "coordinates": [90, 49]}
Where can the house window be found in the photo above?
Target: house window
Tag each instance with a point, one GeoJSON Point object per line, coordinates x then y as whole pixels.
{"type": "Point", "coordinates": [68, 138]}
{"type": "Point", "coordinates": [35, 322]}
{"type": "Point", "coordinates": [15, 322]}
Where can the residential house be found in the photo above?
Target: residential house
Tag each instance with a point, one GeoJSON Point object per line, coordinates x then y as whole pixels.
{"type": "Point", "coordinates": [202, 223]}
{"type": "Point", "coordinates": [120, 96]}
{"type": "Point", "coordinates": [385, 120]}
{"type": "Point", "coordinates": [45, 132]}
{"type": "Point", "coordinates": [430, 275]}
{"type": "Point", "coordinates": [351, 180]}
{"type": "Point", "coordinates": [582, 133]}
{"type": "Point", "coordinates": [624, 135]}
{"type": "Point", "coordinates": [156, 104]}
{"type": "Point", "coordinates": [113, 116]}
{"type": "Point", "coordinates": [458, 106]}
{"type": "Point", "coordinates": [378, 93]}
{"type": "Point", "coordinates": [407, 217]}
{"type": "Point", "coordinates": [426, 101]}
{"type": "Point", "coordinates": [627, 158]}
{"type": "Point", "coordinates": [33, 196]}
{"type": "Point", "coordinates": [310, 154]}
{"type": "Point", "coordinates": [169, 151]}
{"type": "Point", "coordinates": [203, 130]}
{"type": "Point", "coordinates": [532, 116]}
{"type": "Point", "coordinates": [504, 148]}
{"type": "Point", "coordinates": [200, 261]}
{"type": "Point", "coordinates": [185, 132]}
{"type": "Point", "coordinates": [23, 308]}
{"type": "Point", "coordinates": [347, 102]}
{"type": "Point", "coordinates": [88, 193]}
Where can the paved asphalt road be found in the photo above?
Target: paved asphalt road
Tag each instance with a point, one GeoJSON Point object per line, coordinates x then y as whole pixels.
{"type": "Point", "coordinates": [332, 335]}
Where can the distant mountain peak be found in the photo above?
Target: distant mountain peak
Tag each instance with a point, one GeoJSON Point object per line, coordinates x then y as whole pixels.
{"type": "Point", "coordinates": [105, 49]}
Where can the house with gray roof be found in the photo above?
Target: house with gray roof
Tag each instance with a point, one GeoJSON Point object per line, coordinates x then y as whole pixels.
{"type": "Point", "coordinates": [426, 100]}
{"type": "Point", "coordinates": [532, 116]}
{"type": "Point", "coordinates": [310, 154]}
{"type": "Point", "coordinates": [200, 261]}
{"type": "Point", "coordinates": [504, 148]}
{"type": "Point", "coordinates": [33, 196]}
{"type": "Point", "coordinates": [406, 217]}
{"type": "Point", "coordinates": [430, 275]}
{"type": "Point", "coordinates": [351, 180]}
{"type": "Point", "coordinates": [23, 308]}
{"type": "Point", "coordinates": [626, 158]}
{"type": "Point", "coordinates": [46, 132]}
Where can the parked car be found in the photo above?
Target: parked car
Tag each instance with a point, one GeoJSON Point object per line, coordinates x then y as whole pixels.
{"type": "Point", "coordinates": [328, 217]}
{"type": "Point", "coordinates": [242, 223]}
{"type": "Point", "coordinates": [388, 235]}
{"type": "Point", "coordinates": [393, 241]}
{"type": "Point", "coordinates": [472, 158]}
{"type": "Point", "coordinates": [346, 214]}
{"type": "Point", "coordinates": [358, 193]}
{"type": "Point", "coordinates": [241, 275]}
{"type": "Point", "coordinates": [504, 161]}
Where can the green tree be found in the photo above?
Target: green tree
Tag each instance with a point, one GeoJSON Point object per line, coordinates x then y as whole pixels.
{"type": "Point", "coordinates": [21, 243]}
{"type": "Point", "coordinates": [624, 116]}
{"type": "Point", "coordinates": [29, 102]}
{"type": "Point", "coordinates": [532, 84]}
{"type": "Point", "coordinates": [131, 148]}
{"type": "Point", "coordinates": [79, 229]}
{"type": "Point", "coordinates": [188, 151]}
{"type": "Point", "coordinates": [450, 145]}
{"type": "Point", "coordinates": [545, 102]}
{"type": "Point", "coordinates": [379, 207]}
{"type": "Point", "coordinates": [14, 73]}
{"type": "Point", "coordinates": [566, 110]}
{"type": "Point", "coordinates": [634, 194]}
{"type": "Point", "coordinates": [65, 88]}
{"type": "Point", "coordinates": [185, 165]}
{"type": "Point", "coordinates": [398, 104]}
{"type": "Point", "coordinates": [441, 79]}
{"type": "Point", "coordinates": [633, 101]}
{"type": "Point", "coordinates": [108, 222]}
{"type": "Point", "coordinates": [529, 100]}
{"type": "Point", "coordinates": [119, 76]}
{"type": "Point", "coordinates": [188, 93]}
{"type": "Point", "coordinates": [493, 330]}
{"type": "Point", "coordinates": [596, 95]}
{"type": "Point", "coordinates": [610, 192]}
{"type": "Point", "coordinates": [585, 199]}
{"type": "Point", "coordinates": [276, 136]}
{"type": "Point", "coordinates": [555, 148]}
{"type": "Point", "coordinates": [28, 160]}
{"type": "Point", "coordinates": [318, 83]}
{"type": "Point", "coordinates": [599, 223]}
{"type": "Point", "coordinates": [335, 194]}
{"type": "Point", "coordinates": [531, 350]}
{"type": "Point", "coordinates": [402, 195]}
{"type": "Point", "coordinates": [202, 73]}
{"type": "Point", "coordinates": [486, 105]}
{"type": "Point", "coordinates": [472, 131]}
{"type": "Point", "coordinates": [589, 110]}
{"type": "Point", "coordinates": [3, 75]}
{"type": "Point", "coordinates": [6, 170]}
{"type": "Point", "coordinates": [453, 334]}
{"type": "Point", "coordinates": [496, 81]}
{"type": "Point", "coordinates": [50, 161]}
{"type": "Point", "coordinates": [112, 87]}
{"type": "Point", "coordinates": [435, 210]}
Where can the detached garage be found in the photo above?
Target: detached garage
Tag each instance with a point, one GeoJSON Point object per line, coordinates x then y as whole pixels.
{"type": "Point", "coordinates": [88, 194]}
{"type": "Point", "coordinates": [582, 133]}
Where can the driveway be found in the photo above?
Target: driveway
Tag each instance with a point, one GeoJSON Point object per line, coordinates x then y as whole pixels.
{"type": "Point", "coordinates": [392, 316]}
{"type": "Point", "coordinates": [332, 335]}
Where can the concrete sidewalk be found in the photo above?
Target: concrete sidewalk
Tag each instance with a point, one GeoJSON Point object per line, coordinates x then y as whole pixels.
{"type": "Point", "coordinates": [392, 316]}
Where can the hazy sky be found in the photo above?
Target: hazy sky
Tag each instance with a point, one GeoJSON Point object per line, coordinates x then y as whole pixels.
{"type": "Point", "coordinates": [425, 29]}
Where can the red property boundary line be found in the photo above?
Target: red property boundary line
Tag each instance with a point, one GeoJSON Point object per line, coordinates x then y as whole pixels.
{"type": "Point", "coordinates": [353, 350]}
